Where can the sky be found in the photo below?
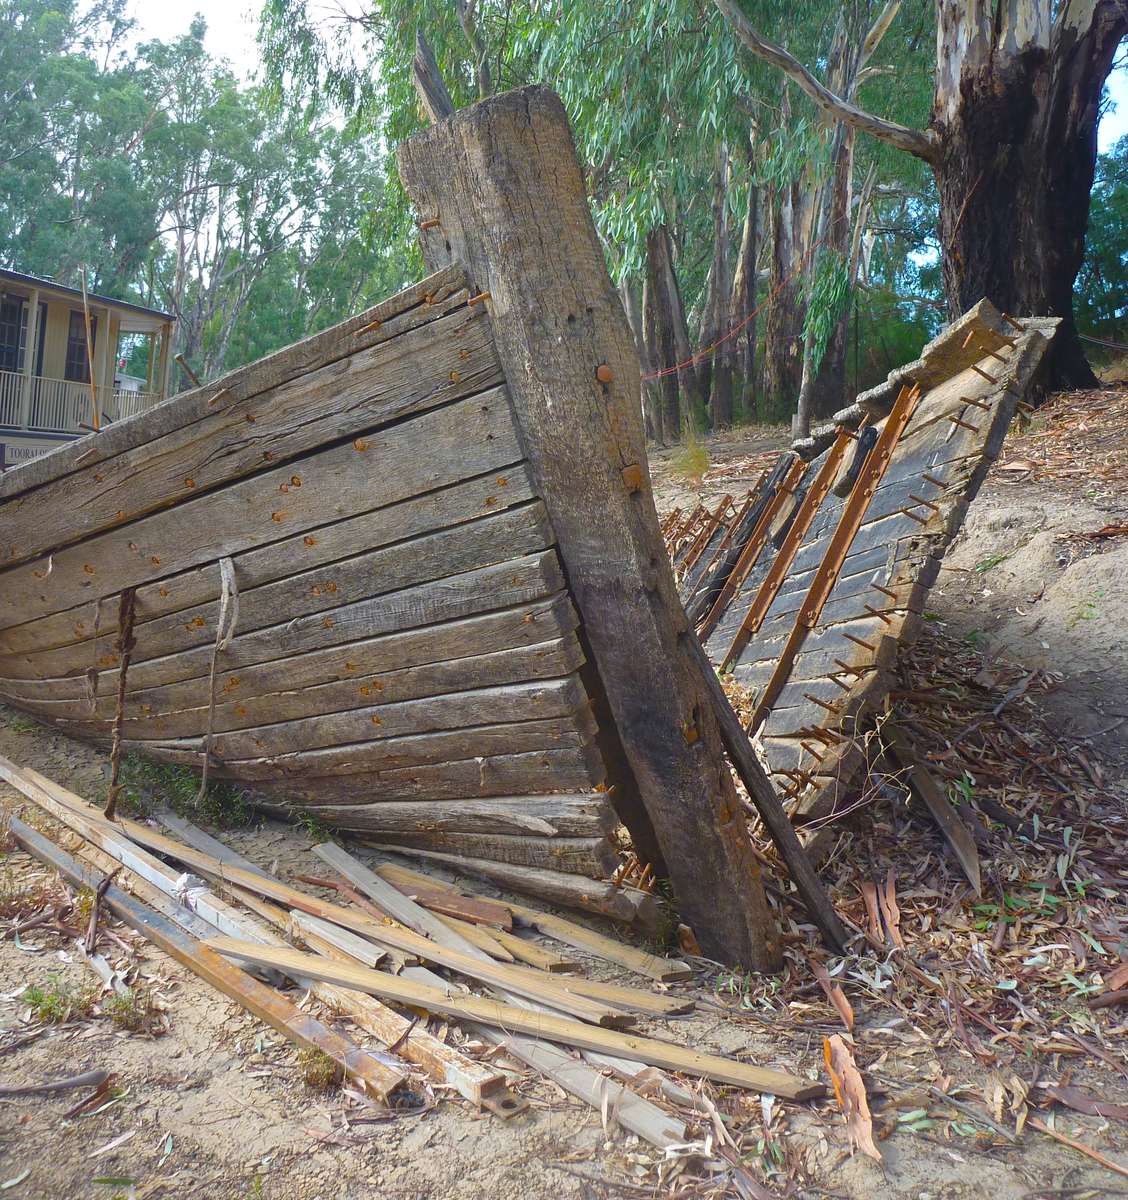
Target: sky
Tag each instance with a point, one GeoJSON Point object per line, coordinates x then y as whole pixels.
{"type": "Point", "coordinates": [232, 25]}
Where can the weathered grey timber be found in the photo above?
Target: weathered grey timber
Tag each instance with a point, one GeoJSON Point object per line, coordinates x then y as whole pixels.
{"type": "Point", "coordinates": [454, 625]}
{"type": "Point", "coordinates": [504, 182]}
{"type": "Point", "coordinates": [818, 661]}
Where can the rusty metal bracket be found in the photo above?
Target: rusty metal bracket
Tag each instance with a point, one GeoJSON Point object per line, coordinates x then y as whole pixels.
{"type": "Point", "coordinates": [752, 549]}
{"type": "Point", "coordinates": [849, 522]}
{"type": "Point", "coordinates": [805, 514]}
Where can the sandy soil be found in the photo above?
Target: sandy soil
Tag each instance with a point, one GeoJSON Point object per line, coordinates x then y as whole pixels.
{"type": "Point", "coordinates": [216, 1107]}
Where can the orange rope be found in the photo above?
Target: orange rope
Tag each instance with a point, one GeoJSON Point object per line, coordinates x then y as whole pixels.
{"type": "Point", "coordinates": [701, 355]}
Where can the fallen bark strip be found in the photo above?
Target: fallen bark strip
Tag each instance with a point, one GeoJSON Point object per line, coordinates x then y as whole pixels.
{"type": "Point", "coordinates": [373, 1077]}
{"type": "Point", "coordinates": [88, 1079]}
{"type": "Point", "coordinates": [542, 1025]}
{"type": "Point", "coordinates": [665, 970]}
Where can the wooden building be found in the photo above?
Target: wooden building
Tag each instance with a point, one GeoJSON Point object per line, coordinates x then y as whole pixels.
{"type": "Point", "coordinates": [46, 396]}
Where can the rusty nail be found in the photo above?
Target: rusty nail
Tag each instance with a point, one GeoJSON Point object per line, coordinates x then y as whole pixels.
{"type": "Point", "coordinates": [821, 703]}
{"type": "Point", "coordinates": [980, 371]}
{"type": "Point", "coordinates": [478, 298]}
{"type": "Point", "coordinates": [886, 591]}
{"type": "Point", "coordinates": [369, 328]}
{"type": "Point", "coordinates": [926, 503]}
{"type": "Point", "coordinates": [962, 424]}
{"type": "Point", "coordinates": [874, 612]}
{"type": "Point", "coordinates": [908, 512]}
{"type": "Point", "coordinates": [977, 403]}
{"type": "Point", "coordinates": [858, 641]}
{"type": "Point", "coordinates": [219, 395]}
{"type": "Point", "coordinates": [933, 480]}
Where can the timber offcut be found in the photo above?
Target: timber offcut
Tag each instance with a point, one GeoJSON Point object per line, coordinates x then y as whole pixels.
{"type": "Point", "coordinates": [407, 574]}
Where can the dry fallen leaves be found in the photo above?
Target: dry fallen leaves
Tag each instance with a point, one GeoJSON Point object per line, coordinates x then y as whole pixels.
{"type": "Point", "coordinates": [850, 1092]}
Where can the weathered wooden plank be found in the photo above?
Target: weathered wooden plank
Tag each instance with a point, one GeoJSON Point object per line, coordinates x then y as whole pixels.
{"type": "Point", "coordinates": [493, 539]}
{"type": "Point", "coordinates": [505, 179]}
{"type": "Point", "coordinates": [264, 1002]}
{"type": "Point", "coordinates": [499, 586]}
{"type": "Point", "coordinates": [438, 448]}
{"type": "Point", "coordinates": [245, 710]}
{"type": "Point", "coordinates": [575, 1033]}
{"type": "Point", "coordinates": [427, 300]}
{"type": "Point", "coordinates": [516, 737]}
{"type": "Point", "coordinates": [497, 774]}
{"type": "Point", "coordinates": [665, 970]}
{"type": "Point", "coordinates": [575, 856]}
{"type": "Point", "coordinates": [518, 702]}
{"type": "Point", "coordinates": [525, 950]}
{"type": "Point", "coordinates": [422, 369]}
{"type": "Point", "coordinates": [557, 887]}
{"type": "Point", "coordinates": [332, 662]}
{"type": "Point", "coordinates": [340, 538]}
{"type": "Point", "coordinates": [589, 815]}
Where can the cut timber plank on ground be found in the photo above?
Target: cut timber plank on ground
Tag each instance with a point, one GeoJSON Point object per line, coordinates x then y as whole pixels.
{"type": "Point", "coordinates": [505, 177]}
{"type": "Point", "coordinates": [559, 1029]}
{"type": "Point", "coordinates": [546, 989]}
{"type": "Point", "coordinates": [478, 935]}
{"type": "Point", "coordinates": [427, 937]}
{"type": "Point", "coordinates": [527, 951]}
{"type": "Point", "coordinates": [665, 970]}
{"type": "Point", "coordinates": [376, 1079]}
{"type": "Point", "coordinates": [639, 1115]}
{"type": "Point", "coordinates": [572, 891]}
{"type": "Point", "coordinates": [400, 904]}
{"type": "Point", "coordinates": [924, 784]}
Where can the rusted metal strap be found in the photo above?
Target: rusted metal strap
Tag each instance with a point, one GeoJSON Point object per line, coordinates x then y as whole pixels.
{"type": "Point", "coordinates": [801, 522]}
{"type": "Point", "coordinates": [733, 526]}
{"type": "Point", "coordinates": [707, 530]}
{"type": "Point", "coordinates": [849, 522]}
{"type": "Point", "coordinates": [753, 548]}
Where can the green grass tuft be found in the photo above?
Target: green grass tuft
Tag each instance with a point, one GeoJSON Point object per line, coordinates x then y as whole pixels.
{"type": "Point", "coordinates": [58, 1001]}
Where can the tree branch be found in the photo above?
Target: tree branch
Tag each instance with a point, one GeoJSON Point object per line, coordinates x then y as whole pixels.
{"type": "Point", "coordinates": [913, 141]}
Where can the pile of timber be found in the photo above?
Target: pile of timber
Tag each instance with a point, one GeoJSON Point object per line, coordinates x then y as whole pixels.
{"type": "Point", "coordinates": [407, 574]}
{"type": "Point", "coordinates": [406, 940]}
{"type": "Point", "coordinates": [806, 590]}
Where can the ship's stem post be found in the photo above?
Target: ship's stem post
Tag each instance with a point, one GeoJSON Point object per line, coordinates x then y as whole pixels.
{"type": "Point", "coordinates": [504, 182]}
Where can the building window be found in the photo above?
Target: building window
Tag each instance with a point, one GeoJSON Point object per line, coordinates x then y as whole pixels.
{"type": "Point", "coordinates": [13, 331]}
{"type": "Point", "coordinates": [78, 363]}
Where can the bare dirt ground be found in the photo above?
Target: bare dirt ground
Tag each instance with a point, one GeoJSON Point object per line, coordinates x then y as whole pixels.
{"type": "Point", "coordinates": [961, 1035]}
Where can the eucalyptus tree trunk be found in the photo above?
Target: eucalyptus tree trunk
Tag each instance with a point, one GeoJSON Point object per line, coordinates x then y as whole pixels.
{"type": "Point", "coordinates": [783, 327]}
{"type": "Point", "coordinates": [720, 403]}
{"type": "Point", "coordinates": [744, 300]}
{"type": "Point", "coordinates": [628, 294]}
{"type": "Point", "coordinates": [1015, 123]}
{"type": "Point", "coordinates": [1012, 143]}
{"type": "Point", "coordinates": [659, 328]}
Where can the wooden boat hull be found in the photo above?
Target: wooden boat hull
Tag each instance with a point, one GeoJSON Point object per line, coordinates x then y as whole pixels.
{"type": "Point", "coordinates": [407, 574]}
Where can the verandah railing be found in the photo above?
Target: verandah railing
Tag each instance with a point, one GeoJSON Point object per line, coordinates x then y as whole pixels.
{"type": "Point", "coordinates": [62, 405]}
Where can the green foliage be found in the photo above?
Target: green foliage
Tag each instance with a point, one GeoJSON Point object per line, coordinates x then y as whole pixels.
{"type": "Point", "coordinates": [147, 785]}
{"type": "Point", "coordinates": [1101, 294]}
{"type": "Point", "coordinates": [58, 1001]}
{"type": "Point", "coordinates": [173, 185]}
{"type": "Point", "coordinates": [132, 1010]}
